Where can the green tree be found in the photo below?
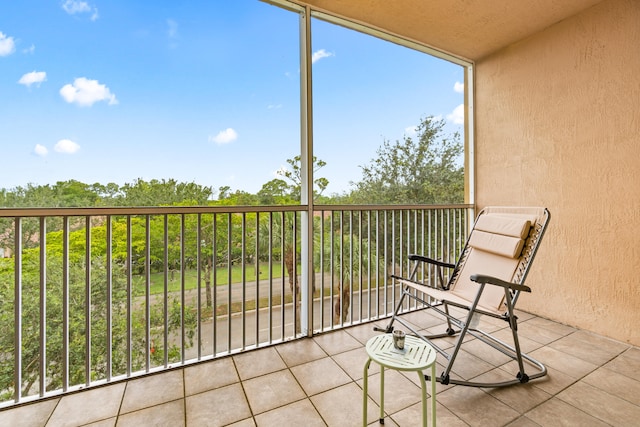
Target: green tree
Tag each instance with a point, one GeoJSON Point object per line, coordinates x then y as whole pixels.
{"type": "Point", "coordinates": [294, 175]}
{"type": "Point", "coordinates": [109, 194]}
{"type": "Point", "coordinates": [101, 293]}
{"type": "Point", "coordinates": [164, 192]}
{"type": "Point", "coordinates": [237, 198]}
{"type": "Point", "coordinates": [275, 192]}
{"type": "Point", "coordinates": [421, 170]}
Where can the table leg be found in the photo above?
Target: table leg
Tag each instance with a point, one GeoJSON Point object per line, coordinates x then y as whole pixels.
{"type": "Point", "coordinates": [365, 392]}
{"type": "Point", "coordinates": [423, 385]}
{"type": "Point", "coordinates": [381, 394]}
{"type": "Point", "coordinates": [423, 389]}
{"type": "Point", "coordinates": [433, 394]}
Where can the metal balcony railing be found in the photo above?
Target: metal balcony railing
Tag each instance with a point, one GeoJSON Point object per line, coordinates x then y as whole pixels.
{"type": "Point", "coordinates": [95, 295]}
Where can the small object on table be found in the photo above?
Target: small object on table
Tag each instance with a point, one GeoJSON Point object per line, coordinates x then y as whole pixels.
{"type": "Point", "coordinates": [398, 339]}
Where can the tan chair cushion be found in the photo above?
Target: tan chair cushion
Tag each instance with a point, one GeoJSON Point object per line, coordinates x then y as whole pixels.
{"type": "Point", "coordinates": [514, 226]}
{"type": "Point", "coordinates": [498, 244]}
{"type": "Point", "coordinates": [481, 262]}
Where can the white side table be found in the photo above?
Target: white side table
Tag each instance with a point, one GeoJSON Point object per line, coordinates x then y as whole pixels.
{"type": "Point", "coordinates": [417, 355]}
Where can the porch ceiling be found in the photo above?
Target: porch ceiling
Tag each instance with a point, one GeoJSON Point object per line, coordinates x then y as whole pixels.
{"type": "Point", "coordinates": [470, 29]}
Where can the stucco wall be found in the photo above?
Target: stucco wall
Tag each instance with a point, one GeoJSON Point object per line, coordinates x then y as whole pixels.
{"type": "Point", "coordinates": [558, 125]}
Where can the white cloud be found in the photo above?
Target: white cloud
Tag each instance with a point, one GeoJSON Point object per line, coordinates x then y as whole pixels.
{"type": "Point", "coordinates": [319, 54]}
{"type": "Point", "coordinates": [85, 92]}
{"type": "Point", "coordinates": [66, 146]}
{"type": "Point", "coordinates": [76, 6]}
{"type": "Point", "coordinates": [458, 87]}
{"type": "Point", "coordinates": [457, 116]}
{"type": "Point", "coordinates": [30, 49]}
{"type": "Point", "coordinates": [40, 150]}
{"type": "Point", "coordinates": [274, 106]}
{"type": "Point", "coordinates": [7, 45]}
{"type": "Point", "coordinates": [36, 77]}
{"type": "Point", "coordinates": [224, 137]}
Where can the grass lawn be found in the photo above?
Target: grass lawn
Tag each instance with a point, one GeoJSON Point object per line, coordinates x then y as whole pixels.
{"type": "Point", "coordinates": [191, 278]}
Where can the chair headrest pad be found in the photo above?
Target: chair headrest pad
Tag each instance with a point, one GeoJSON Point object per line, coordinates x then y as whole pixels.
{"type": "Point", "coordinates": [513, 226]}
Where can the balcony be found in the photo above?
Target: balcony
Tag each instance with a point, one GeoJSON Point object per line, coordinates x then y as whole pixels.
{"type": "Point", "coordinates": [318, 381]}
{"type": "Point", "coordinates": [269, 354]}
{"type": "Point", "coordinates": [553, 111]}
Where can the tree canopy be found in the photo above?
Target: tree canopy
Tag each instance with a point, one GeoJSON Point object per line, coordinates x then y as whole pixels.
{"type": "Point", "coordinates": [424, 169]}
{"type": "Point", "coordinates": [421, 169]}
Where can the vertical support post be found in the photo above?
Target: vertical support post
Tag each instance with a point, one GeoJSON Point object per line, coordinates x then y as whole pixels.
{"type": "Point", "coordinates": [469, 141]}
{"type": "Point", "coordinates": [306, 169]}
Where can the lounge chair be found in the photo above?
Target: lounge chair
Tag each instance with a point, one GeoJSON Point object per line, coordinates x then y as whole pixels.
{"type": "Point", "coordinates": [486, 280]}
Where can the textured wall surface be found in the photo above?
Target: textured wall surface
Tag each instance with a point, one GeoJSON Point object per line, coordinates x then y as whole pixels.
{"type": "Point", "coordinates": [558, 125]}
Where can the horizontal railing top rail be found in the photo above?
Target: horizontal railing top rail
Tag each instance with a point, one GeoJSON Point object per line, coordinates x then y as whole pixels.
{"type": "Point", "coordinates": [143, 210]}
{"type": "Point", "coordinates": [389, 207]}
{"type": "Point", "coordinates": [162, 210]}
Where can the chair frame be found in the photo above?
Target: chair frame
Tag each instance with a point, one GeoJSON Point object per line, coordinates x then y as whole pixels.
{"type": "Point", "coordinates": [463, 326]}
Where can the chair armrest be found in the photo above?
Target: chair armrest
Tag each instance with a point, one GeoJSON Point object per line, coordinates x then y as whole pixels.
{"type": "Point", "coordinates": [414, 257]}
{"type": "Point", "coordinates": [481, 278]}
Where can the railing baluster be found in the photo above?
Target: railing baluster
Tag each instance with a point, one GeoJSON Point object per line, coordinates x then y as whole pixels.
{"type": "Point", "coordinates": [109, 304]}
{"type": "Point", "coordinates": [229, 265]}
{"type": "Point", "coordinates": [17, 311]}
{"type": "Point", "coordinates": [43, 308]}
{"type": "Point", "coordinates": [165, 296]}
{"type": "Point", "coordinates": [282, 274]}
{"type": "Point", "coordinates": [243, 269]}
{"type": "Point", "coordinates": [199, 286]}
{"type": "Point", "coordinates": [360, 256]}
{"type": "Point", "coordinates": [65, 304]}
{"type": "Point", "coordinates": [129, 263]}
{"type": "Point", "coordinates": [214, 283]}
{"type": "Point", "coordinates": [147, 291]}
{"type": "Point", "coordinates": [341, 256]}
{"type": "Point", "coordinates": [321, 266]}
{"type": "Point", "coordinates": [256, 263]}
{"type": "Point", "coordinates": [182, 287]}
{"type": "Point", "coordinates": [377, 263]}
{"type": "Point", "coordinates": [87, 296]}
{"type": "Point", "coordinates": [270, 257]}
{"type": "Point", "coordinates": [351, 263]}
{"type": "Point", "coordinates": [331, 269]}
{"type": "Point", "coordinates": [294, 273]}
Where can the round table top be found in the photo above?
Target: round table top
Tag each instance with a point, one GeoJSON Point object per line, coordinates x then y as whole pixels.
{"type": "Point", "coordinates": [416, 355]}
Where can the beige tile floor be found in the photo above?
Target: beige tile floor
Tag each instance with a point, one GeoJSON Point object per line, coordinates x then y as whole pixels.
{"type": "Point", "coordinates": [317, 381]}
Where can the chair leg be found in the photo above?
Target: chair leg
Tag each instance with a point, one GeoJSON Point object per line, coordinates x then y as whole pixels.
{"type": "Point", "coordinates": [450, 330]}
{"type": "Point", "coordinates": [396, 311]}
{"type": "Point", "coordinates": [513, 324]}
{"type": "Point", "coordinates": [444, 379]}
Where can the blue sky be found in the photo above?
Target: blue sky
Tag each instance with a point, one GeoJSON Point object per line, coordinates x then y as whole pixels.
{"type": "Point", "coordinates": [200, 91]}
